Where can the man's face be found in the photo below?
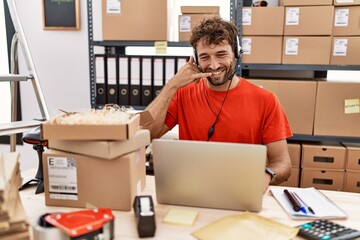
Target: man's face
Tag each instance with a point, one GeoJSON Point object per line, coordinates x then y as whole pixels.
{"type": "Point", "coordinates": [217, 59]}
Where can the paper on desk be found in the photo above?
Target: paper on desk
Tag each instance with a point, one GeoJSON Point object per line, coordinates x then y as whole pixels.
{"type": "Point", "coordinates": [323, 207]}
{"type": "Point", "coordinates": [249, 226]}
{"type": "Point", "coordinates": [181, 217]}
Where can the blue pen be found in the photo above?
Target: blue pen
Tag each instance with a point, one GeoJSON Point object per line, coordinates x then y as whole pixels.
{"type": "Point", "coordinates": [302, 208]}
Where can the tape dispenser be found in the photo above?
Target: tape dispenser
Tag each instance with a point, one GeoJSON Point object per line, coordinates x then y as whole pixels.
{"type": "Point", "coordinates": [145, 215]}
{"type": "Point", "coordinates": [95, 224]}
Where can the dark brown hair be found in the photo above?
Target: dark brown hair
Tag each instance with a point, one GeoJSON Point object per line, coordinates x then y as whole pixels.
{"type": "Point", "coordinates": [214, 31]}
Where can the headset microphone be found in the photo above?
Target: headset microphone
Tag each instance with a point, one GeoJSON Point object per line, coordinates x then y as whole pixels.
{"type": "Point", "coordinates": [260, 4]}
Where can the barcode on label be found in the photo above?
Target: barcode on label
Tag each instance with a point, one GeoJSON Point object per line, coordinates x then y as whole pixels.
{"type": "Point", "coordinates": [63, 187]}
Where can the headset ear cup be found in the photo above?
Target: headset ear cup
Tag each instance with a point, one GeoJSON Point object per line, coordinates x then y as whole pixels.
{"type": "Point", "coordinates": [196, 61]}
{"type": "Point", "coordinates": [237, 51]}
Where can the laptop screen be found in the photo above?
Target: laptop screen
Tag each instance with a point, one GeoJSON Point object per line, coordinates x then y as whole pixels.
{"type": "Point", "coordinates": [209, 174]}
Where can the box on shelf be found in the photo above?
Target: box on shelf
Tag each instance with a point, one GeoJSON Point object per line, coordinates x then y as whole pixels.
{"type": "Point", "coordinates": [300, 111]}
{"type": "Point", "coordinates": [352, 181]}
{"type": "Point", "coordinates": [308, 50]}
{"type": "Point", "coordinates": [345, 51]}
{"type": "Point", "coordinates": [261, 49]}
{"type": "Point", "coordinates": [193, 15]}
{"type": "Point", "coordinates": [346, 21]}
{"type": "Point", "coordinates": [293, 180]}
{"type": "Point", "coordinates": [306, 2]}
{"type": "Point", "coordinates": [262, 21]}
{"type": "Point", "coordinates": [322, 179]}
{"type": "Point", "coordinates": [346, 2]}
{"type": "Point", "coordinates": [337, 111]}
{"type": "Point", "coordinates": [140, 20]}
{"type": "Point", "coordinates": [321, 155]}
{"type": "Point", "coordinates": [352, 156]}
{"type": "Point", "coordinates": [304, 21]}
{"type": "Point", "coordinates": [295, 154]}
{"type": "Point", "coordinates": [51, 130]}
{"type": "Point", "coordinates": [78, 180]}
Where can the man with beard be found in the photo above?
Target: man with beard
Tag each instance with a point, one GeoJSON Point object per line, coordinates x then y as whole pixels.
{"type": "Point", "coordinates": [210, 103]}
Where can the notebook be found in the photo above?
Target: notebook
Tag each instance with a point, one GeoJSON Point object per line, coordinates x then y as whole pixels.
{"type": "Point", "coordinates": [209, 174]}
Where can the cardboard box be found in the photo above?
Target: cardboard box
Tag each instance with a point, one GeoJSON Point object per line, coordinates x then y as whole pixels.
{"type": "Point", "coordinates": [295, 154]}
{"type": "Point", "coordinates": [346, 21]}
{"type": "Point", "coordinates": [102, 149]}
{"type": "Point", "coordinates": [352, 156]}
{"type": "Point", "coordinates": [293, 180]}
{"type": "Point", "coordinates": [193, 15]}
{"type": "Point", "coordinates": [134, 20]}
{"type": "Point", "coordinates": [75, 180]}
{"type": "Point", "coordinates": [347, 2]}
{"type": "Point", "coordinates": [322, 179]}
{"type": "Point", "coordinates": [299, 110]}
{"type": "Point", "coordinates": [345, 51]}
{"type": "Point", "coordinates": [352, 181]}
{"type": "Point", "coordinates": [259, 49]}
{"type": "Point", "coordinates": [306, 2]}
{"type": "Point", "coordinates": [306, 50]}
{"type": "Point", "coordinates": [51, 130]}
{"type": "Point", "coordinates": [321, 155]}
{"type": "Point", "coordinates": [262, 21]}
{"type": "Point", "coordinates": [304, 21]}
{"type": "Point", "coordinates": [337, 111]}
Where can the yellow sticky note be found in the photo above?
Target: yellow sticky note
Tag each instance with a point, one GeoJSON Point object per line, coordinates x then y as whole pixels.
{"type": "Point", "coordinates": [352, 106]}
{"type": "Point", "coordinates": [160, 47]}
{"type": "Point", "coordinates": [181, 217]}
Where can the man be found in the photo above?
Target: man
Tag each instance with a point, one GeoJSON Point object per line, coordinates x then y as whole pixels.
{"type": "Point", "coordinates": [210, 103]}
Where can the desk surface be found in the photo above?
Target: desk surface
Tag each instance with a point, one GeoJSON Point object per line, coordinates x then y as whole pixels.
{"type": "Point", "coordinates": [125, 227]}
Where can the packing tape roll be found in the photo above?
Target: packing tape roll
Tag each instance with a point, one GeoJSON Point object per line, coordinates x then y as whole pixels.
{"type": "Point", "coordinates": [44, 231]}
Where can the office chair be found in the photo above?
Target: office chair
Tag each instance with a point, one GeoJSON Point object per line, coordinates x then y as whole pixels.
{"type": "Point", "coordinates": [34, 137]}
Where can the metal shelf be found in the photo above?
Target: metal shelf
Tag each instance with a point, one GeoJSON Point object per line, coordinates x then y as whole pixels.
{"type": "Point", "coordinates": [137, 44]}
{"type": "Point", "coordinates": [317, 138]}
{"type": "Point", "coordinates": [297, 67]}
{"type": "Point", "coordinates": [18, 127]}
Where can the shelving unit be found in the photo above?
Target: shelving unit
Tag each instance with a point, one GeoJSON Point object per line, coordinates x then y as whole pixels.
{"type": "Point", "coordinates": [236, 16]}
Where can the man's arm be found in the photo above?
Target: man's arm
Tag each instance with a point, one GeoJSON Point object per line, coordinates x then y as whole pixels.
{"type": "Point", "coordinates": [279, 161]}
{"type": "Point", "coordinates": [158, 107]}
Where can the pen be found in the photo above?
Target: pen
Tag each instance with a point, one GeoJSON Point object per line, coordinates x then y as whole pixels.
{"type": "Point", "coordinates": [293, 201]}
{"type": "Point", "coordinates": [307, 206]}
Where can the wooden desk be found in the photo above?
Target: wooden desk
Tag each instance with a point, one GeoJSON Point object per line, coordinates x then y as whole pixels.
{"type": "Point", "coordinates": [125, 227]}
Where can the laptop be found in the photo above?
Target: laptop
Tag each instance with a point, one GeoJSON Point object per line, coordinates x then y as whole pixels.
{"type": "Point", "coordinates": [209, 174]}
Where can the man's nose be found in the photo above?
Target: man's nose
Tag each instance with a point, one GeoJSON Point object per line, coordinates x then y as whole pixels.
{"type": "Point", "coordinates": [214, 63]}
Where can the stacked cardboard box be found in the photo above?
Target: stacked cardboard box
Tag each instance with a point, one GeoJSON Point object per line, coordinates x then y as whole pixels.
{"type": "Point", "coordinates": [262, 30]}
{"type": "Point", "coordinates": [346, 33]}
{"type": "Point", "coordinates": [352, 167]}
{"type": "Point", "coordinates": [141, 20]}
{"type": "Point", "coordinates": [323, 165]}
{"type": "Point", "coordinates": [13, 222]}
{"type": "Point", "coordinates": [307, 32]}
{"type": "Point", "coordinates": [193, 15]}
{"type": "Point", "coordinates": [95, 166]}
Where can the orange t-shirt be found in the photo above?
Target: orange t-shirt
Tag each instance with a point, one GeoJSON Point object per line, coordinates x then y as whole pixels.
{"type": "Point", "coordinates": [250, 114]}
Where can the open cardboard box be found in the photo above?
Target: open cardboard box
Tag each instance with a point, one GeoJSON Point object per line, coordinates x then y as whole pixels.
{"type": "Point", "coordinates": [79, 177]}
{"type": "Point", "coordinates": [95, 131]}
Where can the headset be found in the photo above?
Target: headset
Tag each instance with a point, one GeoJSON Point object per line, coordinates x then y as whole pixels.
{"type": "Point", "coordinates": [237, 51]}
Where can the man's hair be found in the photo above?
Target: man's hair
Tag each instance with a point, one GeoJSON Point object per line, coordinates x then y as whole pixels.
{"type": "Point", "coordinates": [214, 31]}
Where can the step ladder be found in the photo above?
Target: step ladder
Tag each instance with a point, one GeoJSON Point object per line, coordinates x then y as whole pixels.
{"type": "Point", "coordinates": [14, 127]}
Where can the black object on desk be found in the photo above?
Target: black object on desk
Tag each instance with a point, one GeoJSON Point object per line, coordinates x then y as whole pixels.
{"type": "Point", "coordinates": [34, 137]}
{"type": "Point", "coordinates": [145, 215]}
{"type": "Point", "coordinates": [326, 230]}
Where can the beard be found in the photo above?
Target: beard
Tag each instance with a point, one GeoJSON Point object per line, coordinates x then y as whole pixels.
{"type": "Point", "coordinates": [223, 77]}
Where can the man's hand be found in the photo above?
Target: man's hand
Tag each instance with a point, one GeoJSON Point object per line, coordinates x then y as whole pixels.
{"type": "Point", "coordinates": [187, 74]}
